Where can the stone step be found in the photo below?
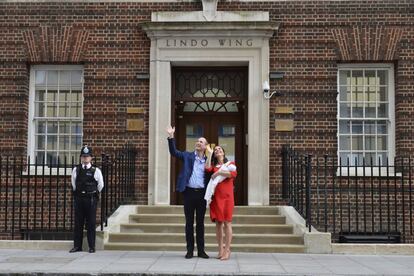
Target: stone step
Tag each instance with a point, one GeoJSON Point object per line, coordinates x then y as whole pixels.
{"type": "Point", "coordinates": [238, 210]}
{"type": "Point", "coordinates": [258, 238]}
{"type": "Point", "coordinates": [209, 228]}
{"type": "Point", "coordinates": [269, 248]}
{"type": "Point", "coordinates": [179, 218]}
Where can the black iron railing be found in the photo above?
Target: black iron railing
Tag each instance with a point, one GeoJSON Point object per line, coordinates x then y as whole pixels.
{"type": "Point", "coordinates": [297, 181]}
{"type": "Point", "coordinates": [36, 199]}
{"type": "Point", "coordinates": [355, 200]}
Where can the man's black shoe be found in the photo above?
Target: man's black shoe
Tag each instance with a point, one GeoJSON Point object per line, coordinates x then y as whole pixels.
{"type": "Point", "coordinates": [189, 255]}
{"type": "Point", "coordinates": [203, 255]}
{"type": "Point", "coordinates": [91, 250]}
{"type": "Point", "coordinates": [75, 249]}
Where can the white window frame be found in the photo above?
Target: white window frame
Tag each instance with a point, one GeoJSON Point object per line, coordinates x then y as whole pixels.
{"type": "Point", "coordinates": [391, 121]}
{"type": "Point", "coordinates": [31, 126]}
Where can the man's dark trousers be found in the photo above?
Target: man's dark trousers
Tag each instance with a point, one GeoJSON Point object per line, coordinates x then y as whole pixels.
{"type": "Point", "coordinates": [194, 202]}
{"type": "Point", "coordinates": [85, 210]}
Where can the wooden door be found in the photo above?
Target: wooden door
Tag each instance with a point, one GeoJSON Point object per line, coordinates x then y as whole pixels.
{"type": "Point", "coordinates": [211, 102]}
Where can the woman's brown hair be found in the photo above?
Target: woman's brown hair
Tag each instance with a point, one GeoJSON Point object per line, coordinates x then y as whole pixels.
{"type": "Point", "coordinates": [214, 159]}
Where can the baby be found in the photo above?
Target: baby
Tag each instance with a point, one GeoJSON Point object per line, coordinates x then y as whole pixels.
{"type": "Point", "coordinates": [212, 184]}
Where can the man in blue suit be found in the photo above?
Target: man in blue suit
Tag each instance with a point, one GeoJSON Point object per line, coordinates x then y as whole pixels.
{"type": "Point", "coordinates": [192, 183]}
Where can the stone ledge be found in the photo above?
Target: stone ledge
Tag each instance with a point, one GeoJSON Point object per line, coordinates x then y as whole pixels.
{"type": "Point", "coordinates": [51, 244]}
{"type": "Point", "coordinates": [214, 26]}
{"type": "Point", "coordinates": [315, 241]}
{"type": "Point", "coordinates": [221, 16]}
{"type": "Point", "coordinates": [373, 249]}
{"type": "Point", "coordinates": [38, 244]}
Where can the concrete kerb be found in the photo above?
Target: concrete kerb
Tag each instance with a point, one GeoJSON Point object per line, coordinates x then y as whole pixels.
{"type": "Point", "coordinates": [315, 241]}
{"type": "Point", "coordinates": [373, 249]}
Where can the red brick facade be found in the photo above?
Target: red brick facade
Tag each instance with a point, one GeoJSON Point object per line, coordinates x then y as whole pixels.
{"type": "Point", "coordinates": [313, 38]}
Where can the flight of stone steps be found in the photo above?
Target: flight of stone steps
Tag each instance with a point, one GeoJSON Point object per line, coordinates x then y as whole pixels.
{"type": "Point", "coordinates": [255, 229]}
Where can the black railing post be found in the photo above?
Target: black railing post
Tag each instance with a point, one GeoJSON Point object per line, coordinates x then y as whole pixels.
{"type": "Point", "coordinates": [50, 192]}
{"type": "Point", "coordinates": [372, 196]}
{"type": "Point", "coordinates": [103, 192]}
{"type": "Point", "coordinates": [57, 194]}
{"type": "Point", "coordinates": [388, 201]}
{"type": "Point", "coordinates": [402, 198]}
{"type": "Point", "coordinates": [302, 164]}
{"type": "Point", "coordinates": [35, 196]}
{"type": "Point", "coordinates": [349, 191]}
{"type": "Point", "coordinates": [340, 196]}
{"type": "Point", "coordinates": [291, 176]}
{"type": "Point", "coordinates": [325, 158]}
{"type": "Point", "coordinates": [72, 195]}
{"type": "Point", "coordinates": [334, 173]}
{"type": "Point", "coordinates": [20, 192]}
{"type": "Point", "coordinates": [13, 195]}
{"type": "Point", "coordinates": [7, 193]}
{"type": "Point", "coordinates": [364, 194]}
{"type": "Point", "coordinates": [43, 194]}
{"type": "Point", "coordinates": [356, 195]}
{"type": "Point", "coordinates": [380, 193]}
{"type": "Point", "coordinates": [109, 190]}
{"type": "Point", "coordinates": [28, 193]}
{"type": "Point", "coordinates": [395, 195]}
{"type": "Point", "coordinates": [285, 171]}
{"type": "Point", "coordinates": [308, 191]}
{"type": "Point", "coordinates": [317, 191]}
{"type": "Point", "coordinates": [65, 185]}
{"type": "Point", "coordinates": [410, 195]}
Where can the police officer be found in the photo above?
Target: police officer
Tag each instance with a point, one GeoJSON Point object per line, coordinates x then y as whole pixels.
{"type": "Point", "coordinates": [87, 182]}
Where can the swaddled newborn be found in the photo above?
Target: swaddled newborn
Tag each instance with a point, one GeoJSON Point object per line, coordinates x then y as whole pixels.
{"type": "Point", "coordinates": [212, 184]}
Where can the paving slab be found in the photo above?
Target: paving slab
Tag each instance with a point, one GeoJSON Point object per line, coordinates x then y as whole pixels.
{"type": "Point", "coordinates": [56, 262]}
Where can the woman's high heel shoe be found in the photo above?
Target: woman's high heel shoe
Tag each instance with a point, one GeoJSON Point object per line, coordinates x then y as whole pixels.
{"type": "Point", "coordinates": [226, 255]}
{"type": "Point", "coordinates": [221, 253]}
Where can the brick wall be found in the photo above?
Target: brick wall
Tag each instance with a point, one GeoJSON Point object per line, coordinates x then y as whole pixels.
{"type": "Point", "coordinates": [314, 37]}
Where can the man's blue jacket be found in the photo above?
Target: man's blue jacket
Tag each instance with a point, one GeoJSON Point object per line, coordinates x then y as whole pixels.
{"type": "Point", "coordinates": [188, 164]}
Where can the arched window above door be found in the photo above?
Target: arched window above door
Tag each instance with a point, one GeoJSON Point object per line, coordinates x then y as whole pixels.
{"type": "Point", "coordinates": [212, 84]}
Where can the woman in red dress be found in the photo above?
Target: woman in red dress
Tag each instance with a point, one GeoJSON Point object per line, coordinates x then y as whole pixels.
{"type": "Point", "coordinates": [222, 205]}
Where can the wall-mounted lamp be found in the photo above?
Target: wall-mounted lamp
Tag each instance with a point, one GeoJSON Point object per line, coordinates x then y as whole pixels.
{"type": "Point", "coordinates": [266, 87]}
{"type": "Point", "coordinates": [266, 91]}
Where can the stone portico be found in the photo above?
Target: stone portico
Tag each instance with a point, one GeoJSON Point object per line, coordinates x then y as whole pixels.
{"type": "Point", "coordinates": [209, 38]}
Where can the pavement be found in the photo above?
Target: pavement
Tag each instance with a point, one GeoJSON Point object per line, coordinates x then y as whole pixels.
{"type": "Point", "coordinates": [54, 262]}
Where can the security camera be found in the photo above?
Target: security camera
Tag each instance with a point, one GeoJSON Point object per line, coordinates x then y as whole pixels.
{"type": "Point", "coordinates": [266, 87]}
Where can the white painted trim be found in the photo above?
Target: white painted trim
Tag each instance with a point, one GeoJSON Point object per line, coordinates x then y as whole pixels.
{"type": "Point", "coordinates": [391, 110]}
{"type": "Point", "coordinates": [359, 172]}
{"type": "Point", "coordinates": [30, 124]}
{"type": "Point", "coordinates": [162, 59]}
{"type": "Point", "coordinates": [31, 131]}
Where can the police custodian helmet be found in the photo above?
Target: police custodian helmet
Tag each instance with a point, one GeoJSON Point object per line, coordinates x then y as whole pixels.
{"type": "Point", "coordinates": [86, 151]}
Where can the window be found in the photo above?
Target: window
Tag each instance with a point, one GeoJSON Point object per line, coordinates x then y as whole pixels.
{"type": "Point", "coordinates": [366, 114]}
{"type": "Point", "coordinates": [55, 120]}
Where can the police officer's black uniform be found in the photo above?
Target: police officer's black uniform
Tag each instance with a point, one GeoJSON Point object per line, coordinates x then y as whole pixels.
{"type": "Point", "coordinates": [86, 190]}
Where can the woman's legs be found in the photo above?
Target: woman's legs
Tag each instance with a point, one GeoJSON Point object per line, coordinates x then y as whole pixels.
{"type": "Point", "coordinates": [228, 231]}
{"type": "Point", "coordinates": [219, 236]}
